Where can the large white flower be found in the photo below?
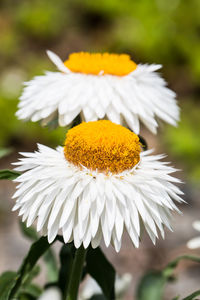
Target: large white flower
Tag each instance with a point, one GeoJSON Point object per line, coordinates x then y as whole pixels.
{"type": "Point", "coordinates": [97, 186]}
{"type": "Point", "coordinates": [99, 86]}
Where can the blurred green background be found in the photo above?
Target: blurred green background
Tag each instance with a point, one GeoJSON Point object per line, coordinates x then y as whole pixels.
{"type": "Point", "coordinates": [158, 31]}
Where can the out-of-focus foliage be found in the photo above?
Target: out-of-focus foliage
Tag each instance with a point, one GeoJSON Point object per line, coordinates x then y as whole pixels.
{"type": "Point", "coordinates": [14, 131]}
{"type": "Point", "coordinates": [152, 284]}
{"type": "Point", "coordinates": [184, 141]}
{"type": "Point", "coordinates": [40, 19]}
{"type": "Point", "coordinates": [151, 31]}
{"type": "Point", "coordinates": [11, 128]}
{"type": "Point", "coordinates": [157, 30]}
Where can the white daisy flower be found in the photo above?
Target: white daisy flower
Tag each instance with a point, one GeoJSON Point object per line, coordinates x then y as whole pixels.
{"type": "Point", "coordinates": [195, 242]}
{"type": "Point", "coordinates": [91, 288]}
{"type": "Point", "coordinates": [97, 186]}
{"type": "Point", "coordinates": [99, 86]}
{"type": "Point", "coordinates": [52, 292]}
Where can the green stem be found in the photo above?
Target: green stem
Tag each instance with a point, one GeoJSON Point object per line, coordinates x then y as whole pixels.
{"type": "Point", "coordinates": [76, 274]}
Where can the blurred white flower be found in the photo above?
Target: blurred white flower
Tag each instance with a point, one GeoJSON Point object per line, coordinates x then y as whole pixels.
{"type": "Point", "coordinates": [10, 83]}
{"type": "Point", "coordinates": [99, 86]}
{"type": "Point", "coordinates": [51, 293]}
{"type": "Point", "coordinates": [96, 186]}
{"type": "Point", "coordinates": [195, 242]}
{"type": "Point", "coordinates": [91, 287]}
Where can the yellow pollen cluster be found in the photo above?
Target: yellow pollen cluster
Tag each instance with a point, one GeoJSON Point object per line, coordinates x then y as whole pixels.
{"type": "Point", "coordinates": [103, 146]}
{"type": "Point", "coordinates": [100, 63]}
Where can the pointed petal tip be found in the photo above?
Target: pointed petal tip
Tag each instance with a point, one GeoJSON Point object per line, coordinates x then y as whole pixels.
{"type": "Point", "coordinates": [49, 52]}
{"type": "Point", "coordinates": [14, 208]}
{"type": "Point", "coordinates": [50, 239]}
{"type": "Point", "coordinates": [57, 62]}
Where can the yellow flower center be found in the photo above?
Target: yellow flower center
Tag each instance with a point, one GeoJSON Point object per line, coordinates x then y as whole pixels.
{"type": "Point", "coordinates": [103, 146]}
{"type": "Point", "coordinates": [100, 63]}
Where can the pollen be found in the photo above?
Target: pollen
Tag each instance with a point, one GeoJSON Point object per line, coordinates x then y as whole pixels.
{"type": "Point", "coordinates": [103, 146]}
{"type": "Point", "coordinates": [100, 63]}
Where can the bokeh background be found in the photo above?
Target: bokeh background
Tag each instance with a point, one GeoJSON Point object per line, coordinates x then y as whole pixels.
{"type": "Point", "coordinates": [156, 31]}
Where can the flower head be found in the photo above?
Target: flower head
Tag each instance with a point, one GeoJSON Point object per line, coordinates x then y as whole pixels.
{"type": "Point", "coordinates": [97, 63]}
{"type": "Point", "coordinates": [102, 146]}
{"type": "Point", "coordinates": [88, 199]}
{"type": "Point", "coordinates": [99, 86]}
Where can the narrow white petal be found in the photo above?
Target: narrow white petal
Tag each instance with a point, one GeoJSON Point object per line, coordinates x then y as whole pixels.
{"type": "Point", "coordinates": [57, 61]}
{"type": "Point", "coordinates": [97, 239]}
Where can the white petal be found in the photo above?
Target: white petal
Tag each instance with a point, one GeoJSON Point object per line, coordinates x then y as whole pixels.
{"type": "Point", "coordinates": [196, 225]}
{"type": "Point", "coordinates": [141, 96]}
{"type": "Point", "coordinates": [86, 207]}
{"type": "Point", "coordinates": [57, 61]}
{"type": "Point", "coordinates": [194, 243]}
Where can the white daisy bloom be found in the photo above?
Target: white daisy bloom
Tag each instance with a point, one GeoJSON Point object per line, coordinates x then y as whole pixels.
{"type": "Point", "coordinates": [91, 288]}
{"type": "Point", "coordinates": [97, 186]}
{"type": "Point", "coordinates": [195, 242]}
{"type": "Point", "coordinates": [51, 293]}
{"type": "Point", "coordinates": [99, 86]}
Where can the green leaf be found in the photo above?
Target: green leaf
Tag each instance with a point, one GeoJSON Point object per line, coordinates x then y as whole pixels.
{"type": "Point", "coordinates": [102, 271]}
{"type": "Point", "coordinates": [51, 265]}
{"type": "Point", "coordinates": [192, 296]}
{"type": "Point", "coordinates": [151, 286]}
{"type": "Point", "coordinates": [98, 297]}
{"type": "Point", "coordinates": [66, 262]}
{"type": "Point", "coordinates": [25, 296]}
{"type": "Point", "coordinates": [36, 251]}
{"type": "Point", "coordinates": [28, 232]}
{"type": "Point", "coordinates": [8, 174]}
{"type": "Point", "coordinates": [49, 257]}
{"type": "Point", "coordinates": [34, 272]}
{"type": "Point", "coordinates": [32, 290]}
{"type": "Point", "coordinates": [7, 281]}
